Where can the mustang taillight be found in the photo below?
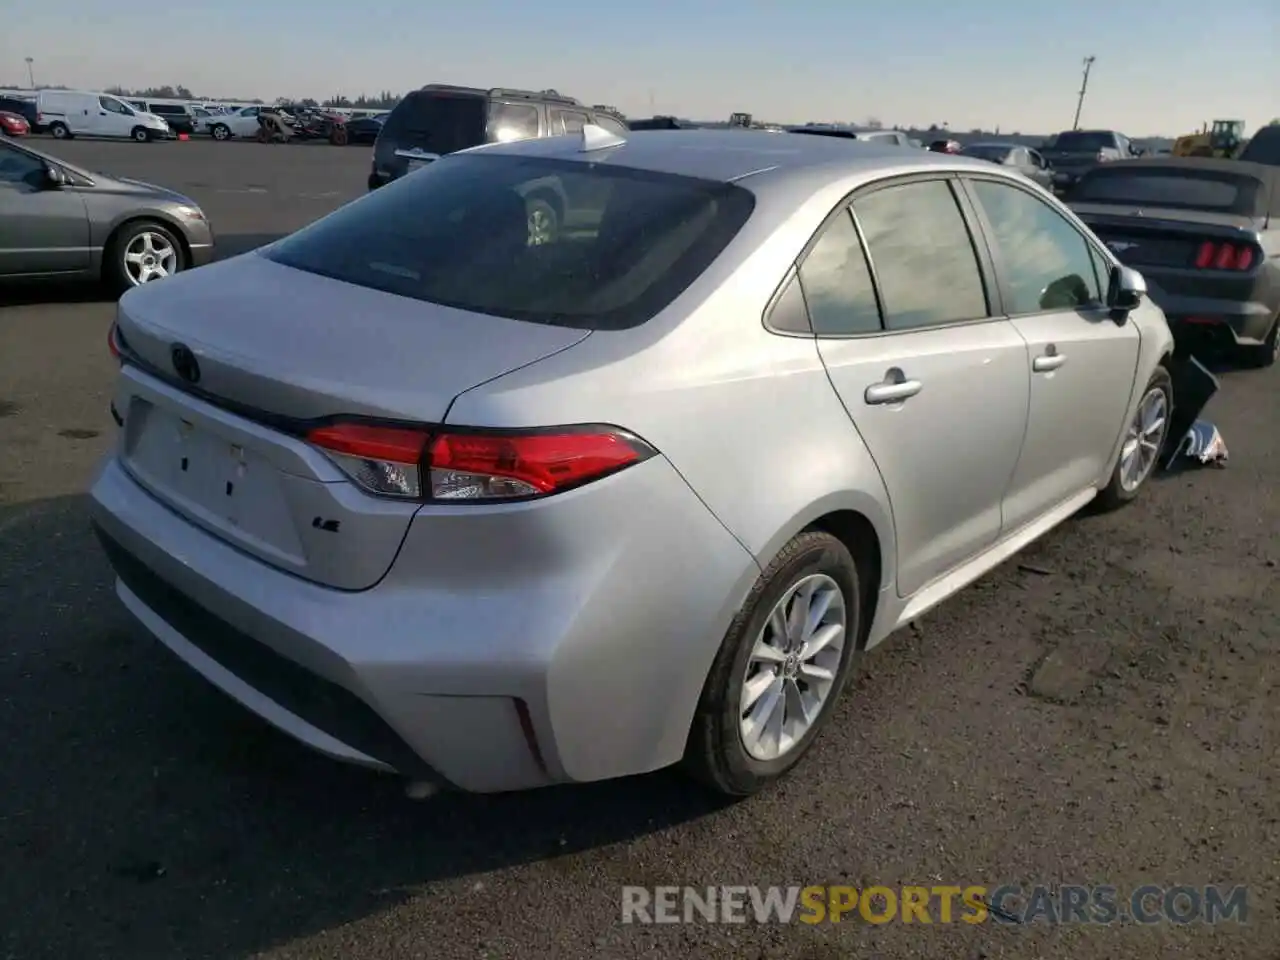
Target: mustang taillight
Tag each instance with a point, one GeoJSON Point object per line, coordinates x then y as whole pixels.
{"type": "Point", "coordinates": [452, 465]}
{"type": "Point", "coordinates": [1214, 255]}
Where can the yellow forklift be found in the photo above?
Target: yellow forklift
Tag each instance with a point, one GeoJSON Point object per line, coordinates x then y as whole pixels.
{"type": "Point", "coordinates": [1223, 139]}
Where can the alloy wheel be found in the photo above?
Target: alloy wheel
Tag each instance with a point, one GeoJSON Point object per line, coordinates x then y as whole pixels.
{"type": "Point", "coordinates": [1144, 439]}
{"type": "Point", "coordinates": [149, 256]}
{"type": "Point", "coordinates": [792, 668]}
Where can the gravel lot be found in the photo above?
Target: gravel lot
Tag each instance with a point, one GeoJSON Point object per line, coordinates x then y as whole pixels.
{"type": "Point", "coordinates": [145, 816]}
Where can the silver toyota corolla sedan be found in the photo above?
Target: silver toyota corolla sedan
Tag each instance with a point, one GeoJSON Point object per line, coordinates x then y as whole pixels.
{"type": "Point", "coordinates": [495, 511]}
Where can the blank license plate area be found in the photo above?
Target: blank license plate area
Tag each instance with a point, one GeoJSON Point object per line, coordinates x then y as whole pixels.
{"type": "Point", "coordinates": [210, 478]}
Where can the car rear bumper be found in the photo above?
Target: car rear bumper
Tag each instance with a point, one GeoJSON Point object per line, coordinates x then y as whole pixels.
{"type": "Point", "coordinates": [1206, 319]}
{"type": "Point", "coordinates": [491, 665]}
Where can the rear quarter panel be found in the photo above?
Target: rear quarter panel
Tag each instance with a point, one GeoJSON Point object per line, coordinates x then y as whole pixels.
{"type": "Point", "coordinates": [748, 417]}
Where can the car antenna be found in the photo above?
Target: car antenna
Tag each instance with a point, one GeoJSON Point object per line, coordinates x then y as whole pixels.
{"type": "Point", "coordinates": [598, 138]}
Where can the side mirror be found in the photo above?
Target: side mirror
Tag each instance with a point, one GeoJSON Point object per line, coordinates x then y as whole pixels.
{"type": "Point", "coordinates": [54, 178]}
{"type": "Point", "coordinates": [1125, 292]}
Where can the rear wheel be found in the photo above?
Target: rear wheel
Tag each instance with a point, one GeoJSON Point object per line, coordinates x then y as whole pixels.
{"type": "Point", "coordinates": [780, 668]}
{"type": "Point", "coordinates": [140, 253]}
{"type": "Point", "coordinates": [59, 131]}
{"type": "Point", "coordinates": [1144, 440]}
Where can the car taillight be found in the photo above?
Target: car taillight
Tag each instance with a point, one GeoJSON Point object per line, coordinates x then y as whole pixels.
{"type": "Point", "coordinates": [1214, 255]}
{"type": "Point", "coordinates": [113, 341]}
{"type": "Point", "coordinates": [452, 465]}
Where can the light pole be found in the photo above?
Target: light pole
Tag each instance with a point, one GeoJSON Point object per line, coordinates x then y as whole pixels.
{"type": "Point", "coordinates": [31, 77]}
{"type": "Point", "coordinates": [1088, 65]}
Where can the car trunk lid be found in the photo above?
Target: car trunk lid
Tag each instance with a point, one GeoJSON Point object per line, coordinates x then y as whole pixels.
{"type": "Point", "coordinates": [277, 350]}
{"type": "Point", "coordinates": [1153, 237]}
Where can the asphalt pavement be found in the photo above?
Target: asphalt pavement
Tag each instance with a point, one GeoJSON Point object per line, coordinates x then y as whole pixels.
{"type": "Point", "coordinates": [1100, 710]}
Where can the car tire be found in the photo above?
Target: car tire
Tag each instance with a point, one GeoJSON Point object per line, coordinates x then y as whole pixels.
{"type": "Point", "coordinates": [220, 131]}
{"type": "Point", "coordinates": [1267, 353]}
{"type": "Point", "coordinates": [140, 135]}
{"type": "Point", "coordinates": [717, 753]}
{"type": "Point", "coordinates": [59, 131]}
{"type": "Point", "coordinates": [1129, 477]}
{"type": "Point", "coordinates": [544, 220]}
{"type": "Point", "coordinates": [116, 269]}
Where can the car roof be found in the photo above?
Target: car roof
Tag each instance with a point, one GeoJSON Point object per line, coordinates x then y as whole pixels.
{"type": "Point", "coordinates": [729, 155]}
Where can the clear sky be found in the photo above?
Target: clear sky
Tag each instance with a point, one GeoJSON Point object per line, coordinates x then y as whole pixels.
{"type": "Point", "coordinates": [1163, 66]}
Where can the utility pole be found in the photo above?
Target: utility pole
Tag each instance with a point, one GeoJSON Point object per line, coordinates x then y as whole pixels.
{"type": "Point", "coordinates": [1088, 65]}
{"type": "Point", "coordinates": [31, 77]}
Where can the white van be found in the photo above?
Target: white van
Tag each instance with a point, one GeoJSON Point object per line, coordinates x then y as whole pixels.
{"type": "Point", "coordinates": [70, 113]}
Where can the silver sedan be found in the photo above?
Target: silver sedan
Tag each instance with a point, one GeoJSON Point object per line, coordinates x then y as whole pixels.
{"type": "Point", "coordinates": [494, 514]}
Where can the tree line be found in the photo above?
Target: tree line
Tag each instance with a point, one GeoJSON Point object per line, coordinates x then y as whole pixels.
{"type": "Point", "coordinates": [384, 100]}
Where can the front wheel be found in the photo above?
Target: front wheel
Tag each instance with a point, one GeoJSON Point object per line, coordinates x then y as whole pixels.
{"type": "Point", "coordinates": [141, 253]}
{"type": "Point", "coordinates": [1144, 439]}
{"type": "Point", "coordinates": [780, 668]}
{"type": "Point", "coordinates": [221, 131]}
{"type": "Point", "coordinates": [141, 134]}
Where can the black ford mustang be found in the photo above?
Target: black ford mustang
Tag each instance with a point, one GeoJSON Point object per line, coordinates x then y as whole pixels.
{"type": "Point", "coordinates": [1206, 235]}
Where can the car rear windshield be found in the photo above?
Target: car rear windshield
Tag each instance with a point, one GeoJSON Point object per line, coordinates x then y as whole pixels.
{"type": "Point", "coordinates": [1084, 140]}
{"type": "Point", "coordinates": [1175, 189]}
{"type": "Point", "coordinates": [436, 122]}
{"type": "Point", "coordinates": [590, 246]}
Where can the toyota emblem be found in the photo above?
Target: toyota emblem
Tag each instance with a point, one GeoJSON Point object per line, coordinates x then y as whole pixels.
{"type": "Point", "coordinates": [184, 362]}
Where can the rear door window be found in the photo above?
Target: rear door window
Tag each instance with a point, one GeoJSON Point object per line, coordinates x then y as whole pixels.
{"type": "Point", "coordinates": [438, 123]}
{"type": "Point", "coordinates": [567, 121]}
{"type": "Point", "coordinates": [922, 254]}
{"type": "Point", "coordinates": [459, 233]}
{"type": "Point", "coordinates": [512, 121]}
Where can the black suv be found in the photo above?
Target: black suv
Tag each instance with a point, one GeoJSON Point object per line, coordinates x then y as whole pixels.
{"type": "Point", "coordinates": [440, 119]}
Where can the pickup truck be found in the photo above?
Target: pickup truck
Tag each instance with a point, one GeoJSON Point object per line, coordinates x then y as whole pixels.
{"type": "Point", "coordinates": [1073, 152]}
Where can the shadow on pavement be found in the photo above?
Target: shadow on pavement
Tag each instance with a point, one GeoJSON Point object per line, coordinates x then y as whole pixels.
{"type": "Point", "coordinates": [146, 815]}
{"type": "Point", "coordinates": [29, 293]}
{"type": "Point", "coordinates": [234, 244]}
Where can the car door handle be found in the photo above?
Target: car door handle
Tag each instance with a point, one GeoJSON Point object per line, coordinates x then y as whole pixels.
{"type": "Point", "coordinates": [891, 391]}
{"type": "Point", "coordinates": [1048, 362]}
